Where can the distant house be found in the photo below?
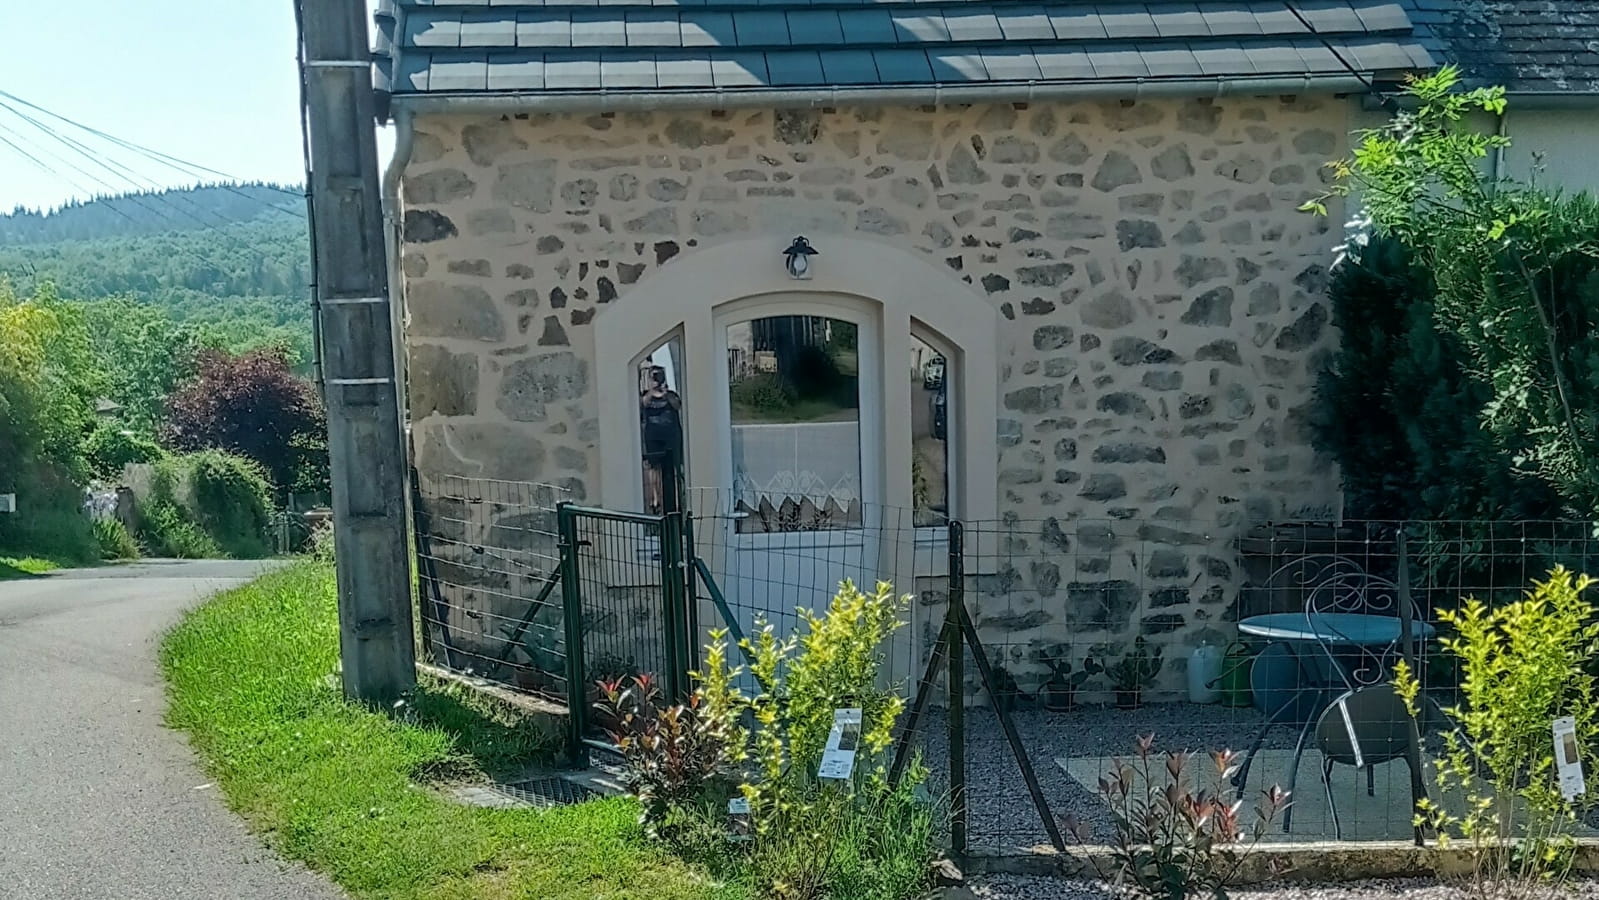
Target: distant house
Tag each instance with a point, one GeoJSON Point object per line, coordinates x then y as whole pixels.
{"type": "Point", "coordinates": [1545, 53]}
{"type": "Point", "coordinates": [1059, 274]}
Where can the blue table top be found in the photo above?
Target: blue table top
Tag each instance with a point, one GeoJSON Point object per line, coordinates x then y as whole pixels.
{"type": "Point", "coordinates": [1352, 629]}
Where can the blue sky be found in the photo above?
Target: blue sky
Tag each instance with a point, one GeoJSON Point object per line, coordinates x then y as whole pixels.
{"type": "Point", "coordinates": [211, 81]}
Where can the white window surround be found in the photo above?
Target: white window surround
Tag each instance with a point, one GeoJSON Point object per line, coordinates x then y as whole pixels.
{"type": "Point", "coordinates": [910, 292]}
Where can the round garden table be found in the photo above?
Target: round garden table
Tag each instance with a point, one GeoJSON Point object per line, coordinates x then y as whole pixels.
{"type": "Point", "coordinates": [1334, 628]}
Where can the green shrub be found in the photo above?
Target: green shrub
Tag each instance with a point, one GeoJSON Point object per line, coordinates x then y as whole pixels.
{"type": "Point", "coordinates": [1515, 269]}
{"type": "Point", "coordinates": [1523, 665]}
{"type": "Point", "coordinates": [116, 542]}
{"type": "Point", "coordinates": [1400, 412]}
{"type": "Point", "coordinates": [166, 530]}
{"type": "Point", "coordinates": [111, 447]}
{"type": "Point", "coordinates": [762, 395]}
{"type": "Point", "coordinates": [49, 521]}
{"type": "Point", "coordinates": [226, 511]}
{"type": "Point", "coordinates": [232, 502]}
{"type": "Point", "coordinates": [861, 838]}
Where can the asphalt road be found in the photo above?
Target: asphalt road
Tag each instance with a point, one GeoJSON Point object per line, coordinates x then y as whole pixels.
{"type": "Point", "coordinates": [97, 799]}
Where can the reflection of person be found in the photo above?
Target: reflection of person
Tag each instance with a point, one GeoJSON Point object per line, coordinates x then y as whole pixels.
{"type": "Point", "coordinates": [661, 417]}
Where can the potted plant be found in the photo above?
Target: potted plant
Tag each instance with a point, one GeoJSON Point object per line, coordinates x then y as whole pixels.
{"type": "Point", "coordinates": [1007, 691]}
{"type": "Point", "coordinates": [1059, 691]}
{"type": "Point", "coordinates": [1132, 673]}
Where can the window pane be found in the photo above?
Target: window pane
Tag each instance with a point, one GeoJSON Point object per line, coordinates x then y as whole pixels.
{"type": "Point", "coordinates": [929, 434]}
{"type": "Point", "coordinates": [661, 427]}
{"type": "Point", "coordinates": [794, 393]}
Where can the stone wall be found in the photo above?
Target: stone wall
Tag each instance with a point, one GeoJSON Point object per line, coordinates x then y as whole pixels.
{"type": "Point", "coordinates": [1159, 295]}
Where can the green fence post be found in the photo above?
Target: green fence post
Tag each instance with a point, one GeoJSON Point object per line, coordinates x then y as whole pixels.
{"type": "Point", "coordinates": [572, 606]}
{"type": "Point", "coordinates": [673, 606]}
{"type": "Point", "coordinates": [691, 595]}
{"type": "Point", "coordinates": [956, 676]}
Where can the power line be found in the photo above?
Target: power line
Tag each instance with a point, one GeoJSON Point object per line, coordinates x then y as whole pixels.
{"type": "Point", "coordinates": [203, 264]}
{"type": "Point", "coordinates": [191, 169]}
{"type": "Point", "coordinates": [118, 170]}
{"type": "Point", "coordinates": [114, 189]}
{"type": "Point", "coordinates": [171, 161]}
{"type": "Point", "coordinates": [47, 168]}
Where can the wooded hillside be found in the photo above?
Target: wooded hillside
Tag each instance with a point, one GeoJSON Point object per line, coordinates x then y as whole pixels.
{"type": "Point", "coordinates": [235, 258]}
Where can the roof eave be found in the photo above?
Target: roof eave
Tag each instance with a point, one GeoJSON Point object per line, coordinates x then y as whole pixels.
{"type": "Point", "coordinates": [601, 101]}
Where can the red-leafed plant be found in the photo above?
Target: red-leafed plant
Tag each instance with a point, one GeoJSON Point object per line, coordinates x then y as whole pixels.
{"type": "Point", "coordinates": [1177, 835]}
{"type": "Point", "coordinates": [252, 404]}
{"type": "Point", "coordinates": [672, 751]}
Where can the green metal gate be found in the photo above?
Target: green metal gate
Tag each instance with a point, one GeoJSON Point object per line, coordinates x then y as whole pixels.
{"type": "Point", "coordinates": [625, 593]}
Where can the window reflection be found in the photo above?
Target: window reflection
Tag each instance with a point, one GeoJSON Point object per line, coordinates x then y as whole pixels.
{"type": "Point", "coordinates": [794, 395]}
{"type": "Point", "coordinates": [930, 378]}
{"type": "Point", "coordinates": [661, 427]}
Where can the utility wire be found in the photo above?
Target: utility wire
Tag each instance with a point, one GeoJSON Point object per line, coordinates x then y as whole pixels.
{"type": "Point", "coordinates": [112, 188]}
{"type": "Point", "coordinates": [133, 177]}
{"type": "Point", "coordinates": [191, 169]}
{"type": "Point", "coordinates": [49, 169]}
{"type": "Point", "coordinates": [174, 162]}
{"type": "Point", "coordinates": [121, 172]}
{"type": "Point", "coordinates": [203, 263]}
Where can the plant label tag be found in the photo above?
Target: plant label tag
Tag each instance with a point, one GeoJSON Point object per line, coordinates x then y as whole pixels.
{"type": "Point", "coordinates": [1568, 758]}
{"type": "Point", "coordinates": [838, 758]}
{"type": "Point", "coordinates": [738, 814]}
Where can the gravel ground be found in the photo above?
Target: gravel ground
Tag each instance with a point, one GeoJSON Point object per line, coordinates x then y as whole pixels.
{"type": "Point", "coordinates": [1023, 887]}
{"type": "Point", "coordinates": [1000, 812]}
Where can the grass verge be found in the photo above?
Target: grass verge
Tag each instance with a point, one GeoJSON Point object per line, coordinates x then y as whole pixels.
{"type": "Point", "coordinates": [349, 791]}
{"type": "Point", "coordinates": [25, 566]}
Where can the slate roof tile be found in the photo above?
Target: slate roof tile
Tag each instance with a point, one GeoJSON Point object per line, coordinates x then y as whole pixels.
{"type": "Point", "coordinates": [465, 46]}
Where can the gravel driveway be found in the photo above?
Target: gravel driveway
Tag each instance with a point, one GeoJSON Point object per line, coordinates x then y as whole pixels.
{"type": "Point", "coordinates": [97, 799]}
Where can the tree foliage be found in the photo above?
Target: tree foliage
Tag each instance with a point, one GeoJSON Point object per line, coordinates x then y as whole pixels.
{"type": "Point", "coordinates": [157, 282]}
{"type": "Point", "coordinates": [253, 405]}
{"type": "Point", "coordinates": [152, 212]}
{"type": "Point", "coordinates": [231, 262]}
{"type": "Point", "coordinates": [110, 448]}
{"type": "Point", "coordinates": [1515, 272]}
{"type": "Point", "coordinates": [1398, 410]}
{"type": "Point", "coordinates": [48, 383]}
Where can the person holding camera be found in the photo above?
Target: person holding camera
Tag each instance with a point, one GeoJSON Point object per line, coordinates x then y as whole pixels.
{"type": "Point", "coordinates": [661, 418]}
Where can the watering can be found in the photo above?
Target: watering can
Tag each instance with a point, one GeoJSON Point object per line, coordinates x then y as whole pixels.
{"type": "Point", "coordinates": [1234, 681]}
{"type": "Point", "coordinates": [1204, 674]}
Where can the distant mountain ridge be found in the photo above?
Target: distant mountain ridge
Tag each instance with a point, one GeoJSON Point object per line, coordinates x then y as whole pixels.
{"type": "Point", "coordinates": [202, 207]}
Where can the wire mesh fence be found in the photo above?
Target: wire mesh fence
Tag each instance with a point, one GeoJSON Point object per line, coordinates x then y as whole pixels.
{"type": "Point", "coordinates": [488, 566]}
{"type": "Point", "coordinates": [1278, 642]}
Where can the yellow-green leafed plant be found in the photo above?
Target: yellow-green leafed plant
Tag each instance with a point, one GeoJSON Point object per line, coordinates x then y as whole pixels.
{"type": "Point", "coordinates": [1523, 665]}
{"type": "Point", "coordinates": [811, 837]}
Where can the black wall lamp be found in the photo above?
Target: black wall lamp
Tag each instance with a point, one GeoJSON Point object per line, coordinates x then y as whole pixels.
{"type": "Point", "coordinates": [797, 258]}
